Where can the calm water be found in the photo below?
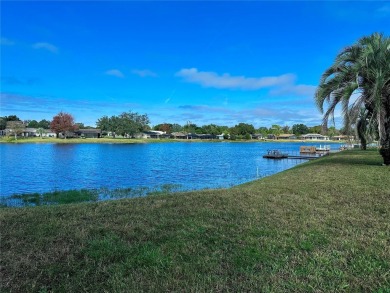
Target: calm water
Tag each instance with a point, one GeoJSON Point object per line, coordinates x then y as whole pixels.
{"type": "Point", "coordinates": [29, 168]}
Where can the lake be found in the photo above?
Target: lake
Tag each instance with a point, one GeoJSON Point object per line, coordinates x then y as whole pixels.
{"type": "Point", "coordinates": [30, 168]}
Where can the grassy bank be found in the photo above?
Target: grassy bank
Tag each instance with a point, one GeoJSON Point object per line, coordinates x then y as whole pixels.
{"type": "Point", "coordinates": [322, 226]}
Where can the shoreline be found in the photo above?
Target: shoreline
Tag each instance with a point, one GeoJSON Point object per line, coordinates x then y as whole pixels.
{"type": "Point", "coordinates": [149, 140]}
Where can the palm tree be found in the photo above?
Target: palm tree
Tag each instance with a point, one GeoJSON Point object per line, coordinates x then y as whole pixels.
{"type": "Point", "coordinates": [366, 127]}
{"type": "Point", "coordinates": [360, 78]}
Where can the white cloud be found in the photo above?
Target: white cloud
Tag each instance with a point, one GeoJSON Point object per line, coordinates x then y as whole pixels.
{"type": "Point", "coordinates": [226, 81]}
{"type": "Point", "coordinates": [384, 10]}
{"type": "Point", "coordinates": [295, 89]}
{"type": "Point", "coordinates": [115, 72]}
{"type": "Point", "coordinates": [87, 110]}
{"type": "Point", "coordinates": [144, 73]}
{"type": "Point", "coordinates": [265, 115]}
{"type": "Point", "coordinates": [46, 46]}
{"type": "Point", "coordinates": [6, 42]}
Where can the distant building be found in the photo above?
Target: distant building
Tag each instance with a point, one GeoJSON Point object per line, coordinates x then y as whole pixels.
{"type": "Point", "coordinates": [343, 137]}
{"type": "Point", "coordinates": [314, 136]}
{"type": "Point", "coordinates": [287, 136]}
{"type": "Point", "coordinates": [179, 135]}
{"type": "Point", "coordinates": [257, 136]}
{"type": "Point", "coordinates": [271, 136]}
{"type": "Point", "coordinates": [89, 133]}
{"type": "Point", "coordinates": [154, 133]}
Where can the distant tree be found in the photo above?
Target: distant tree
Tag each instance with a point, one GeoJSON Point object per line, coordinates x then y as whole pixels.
{"type": "Point", "coordinates": [263, 130]}
{"type": "Point", "coordinates": [332, 131]}
{"type": "Point", "coordinates": [63, 123]}
{"type": "Point", "coordinates": [316, 129]}
{"type": "Point", "coordinates": [299, 129]}
{"type": "Point", "coordinates": [5, 119]}
{"type": "Point", "coordinates": [176, 127]}
{"type": "Point", "coordinates": [3, 123]}
{"type": "Point", "coordinates": [212, 129]}
{"type": "Point", "coordinates": [275, 129]}
{"type": "Point", "coordinates": [33, 124]}
{"type": "Point", "coordinates": [125, 124]}
{"type": "Point", "coordinates": [45, 124]}
{"type": "Point", "coordinates": [286, 129]}
{"type": "Point", "coordinates": [190, 127]}
{"type": "Point", "coordinates": [224, 129]}
{"type": "Point", "coordinates": [41, 131]}
{"type": "Point", "coordinates": [104, 124]}
{"type": "Point", "coordinates": [15, 127]}
{"type": "Point", "coordinates": [166, 127]}
{"type": "Point", "coordinates": [80, 125]}
{"type": "Point", "coordinates": [12, 118]}
{"type": "Point", "coordinates": [242, 129]}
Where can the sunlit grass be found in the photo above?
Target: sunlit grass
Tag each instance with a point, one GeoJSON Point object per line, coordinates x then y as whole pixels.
{"type": "Point", "coordinates": [322, 226]}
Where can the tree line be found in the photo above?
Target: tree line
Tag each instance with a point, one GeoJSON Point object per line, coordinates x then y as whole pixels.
{"type": "Point", "coordinates": [129, 123]}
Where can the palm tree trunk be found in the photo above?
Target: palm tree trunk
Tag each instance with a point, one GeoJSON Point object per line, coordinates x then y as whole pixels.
{"type": "Point", "coordinates": [385, 151]}
{"type": "Point", "coordinates": [363, 144]}
{"type": "Point", "coordinates": [384, 132]}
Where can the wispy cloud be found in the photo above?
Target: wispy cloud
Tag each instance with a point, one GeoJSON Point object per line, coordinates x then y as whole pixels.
{"type": "Point", "coordinates": [227, 81]}
{"type": "Point", "coordinates": [295, 89]}
{"type": "Point", "coordinates": [46, 46]}
{"type": "Point", "coordinates": [206, 108]}
{"type": "Point", "coordinates": [6, 42]}
{"type": "Point", "coordinates": [11, 80]}
{"type": "Point", "coordinates": [115, 72]}
{"type": "Point", "coordinates": [167, 100]}
{"type": "Point", "coordinates": [260, 115]}
{"type": "Point", "coordinates": [144, 73]}
{"type": "Point", "coordinates": [384, 10]}
{"type": "Point", "coordinates": [86, 110]}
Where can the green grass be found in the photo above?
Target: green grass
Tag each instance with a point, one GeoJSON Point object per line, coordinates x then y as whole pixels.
{"type": "Point", "coordinates": [322, 226]}
{"type": "Point", "coordinates": [59, 197]}
{"type": "Point", "coordinates": [55, 197]}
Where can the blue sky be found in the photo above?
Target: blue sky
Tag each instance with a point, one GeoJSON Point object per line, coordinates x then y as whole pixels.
{"type": "Point", "coordinates": [204, 62]}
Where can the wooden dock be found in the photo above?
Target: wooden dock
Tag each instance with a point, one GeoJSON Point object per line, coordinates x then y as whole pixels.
{"type": "Point", "coordinates": [303, 157]}
{"type": "Point", "coordinates": [293, 157]}
{"type": "Point", "coordinates": [310, 153]}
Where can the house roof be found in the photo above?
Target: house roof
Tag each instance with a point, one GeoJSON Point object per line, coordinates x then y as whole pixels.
{"type": "Point", "coordinates": [287, 135]}
{"type": "Point", "coordinates": [313, 134]}
{"type": "Point", "coordinates": [90, 130]}
{"type": "Point", "coordinates": [178, 134]}
{"type": "Point", "coordinates": [343, 136]}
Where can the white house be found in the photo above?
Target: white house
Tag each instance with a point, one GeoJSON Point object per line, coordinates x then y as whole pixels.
{"type": "Point", "coordinates": [314, 136]}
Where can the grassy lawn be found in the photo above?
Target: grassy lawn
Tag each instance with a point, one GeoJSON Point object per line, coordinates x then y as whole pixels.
{"type": "Point", "coordinates": [323, 226]}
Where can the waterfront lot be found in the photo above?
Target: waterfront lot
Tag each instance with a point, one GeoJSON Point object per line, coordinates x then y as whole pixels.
{"type": "Point", "coordinates": [322, 226]}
